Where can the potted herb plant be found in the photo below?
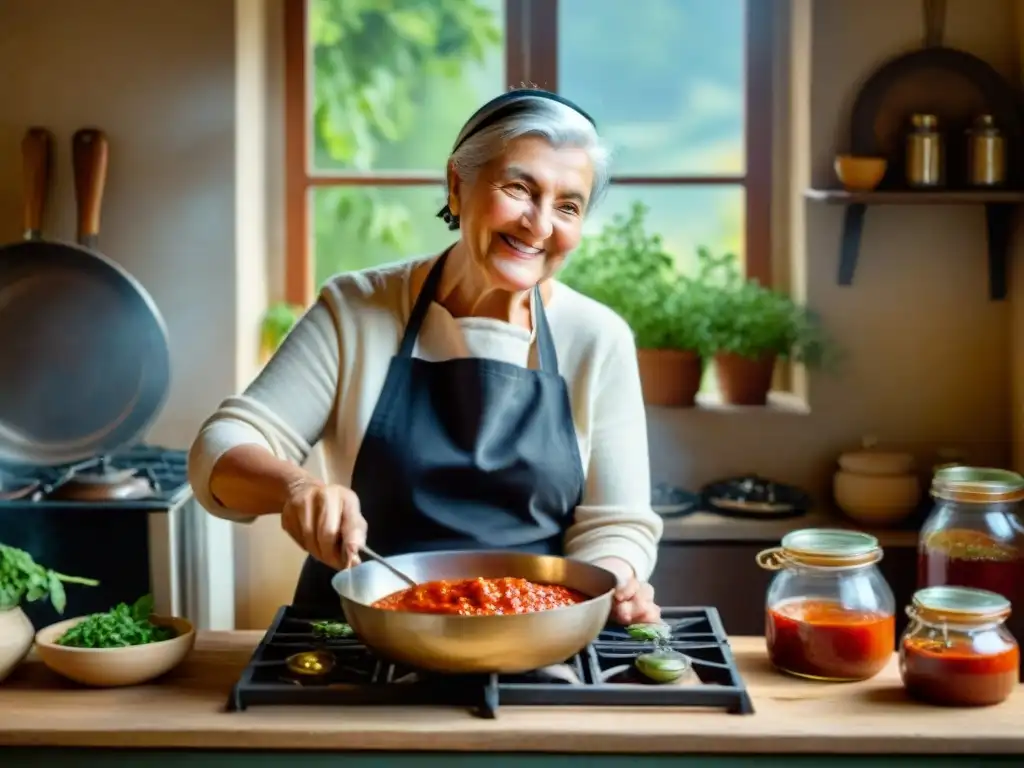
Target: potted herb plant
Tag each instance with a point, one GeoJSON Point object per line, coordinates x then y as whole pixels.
{"type": "Point", "coordinates": [629, 271]}
{"type": "Point", "coordinates": [751, 328]}
{"type": "Point", "coordinates": [22, 580]}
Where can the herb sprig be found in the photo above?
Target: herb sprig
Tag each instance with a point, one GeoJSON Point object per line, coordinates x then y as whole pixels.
{"type": "Point", "coordinates": [331, 629]}
{"type": "Point", "coordinates": [22, 579]}
{"type": "Point", "coordinates": [120, 627]}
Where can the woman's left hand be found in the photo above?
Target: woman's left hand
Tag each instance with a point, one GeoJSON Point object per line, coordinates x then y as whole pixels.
{"type": "Point", "coordinates": [633, 599]}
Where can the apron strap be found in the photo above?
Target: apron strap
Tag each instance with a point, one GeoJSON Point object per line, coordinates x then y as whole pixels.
{"type": "Point", "coordinates": [546, 356]}
{"type": "Point", "coordinates": [419, 309]}
{"type": "Point", "coordinates": [545, 343]}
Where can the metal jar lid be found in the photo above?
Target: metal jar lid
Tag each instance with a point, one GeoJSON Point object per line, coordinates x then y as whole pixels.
{"type": "Point", "coordinates": [977, 485]}
{"type": "Point", "coordinates": [959, 604]}
{"type": "Point", "coordinates": [822, 548]}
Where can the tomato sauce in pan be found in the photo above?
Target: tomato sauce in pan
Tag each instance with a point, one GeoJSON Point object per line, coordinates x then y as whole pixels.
{"type": "Point", "coordinates": [481, 597]}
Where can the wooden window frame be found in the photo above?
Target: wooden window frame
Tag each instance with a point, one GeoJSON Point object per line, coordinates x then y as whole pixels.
{"type": "Point", "coordinates": [529, 59]}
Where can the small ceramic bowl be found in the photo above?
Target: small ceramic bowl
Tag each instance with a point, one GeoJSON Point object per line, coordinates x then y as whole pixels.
{"type": "Point", "coordinates": [860, 174]}
{"type": "Point", "coordinates": [876, 500]}
{"type": "Point", "coordinates": [114, 667]}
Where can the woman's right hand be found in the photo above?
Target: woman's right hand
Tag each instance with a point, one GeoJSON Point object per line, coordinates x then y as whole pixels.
{"type": "Point", "coordinates": [326, 522]}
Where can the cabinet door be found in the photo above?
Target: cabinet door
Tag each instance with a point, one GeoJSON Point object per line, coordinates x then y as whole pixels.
{"type": "Point", "coordinates": [725, 575]}
{"type": "Point", "coordinates": [721, 575]}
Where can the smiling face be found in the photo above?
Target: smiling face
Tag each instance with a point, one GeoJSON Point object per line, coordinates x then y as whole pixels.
{"type": "Point", "coordinates": [523, 213]}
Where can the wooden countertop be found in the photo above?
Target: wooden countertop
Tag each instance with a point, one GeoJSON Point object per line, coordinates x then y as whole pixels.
{"type": "Point", "coordinates": [186, 709]}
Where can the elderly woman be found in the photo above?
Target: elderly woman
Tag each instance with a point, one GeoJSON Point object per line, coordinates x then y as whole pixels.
{"type": "Point", "coordinates": [464, 400]}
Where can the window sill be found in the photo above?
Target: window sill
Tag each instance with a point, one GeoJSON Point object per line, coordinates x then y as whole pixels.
{"type": "Point", "coordinates": [778, 402]}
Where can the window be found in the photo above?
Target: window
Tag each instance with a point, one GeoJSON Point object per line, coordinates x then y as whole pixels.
{"type": "Point", "coordinates": [376, 93]}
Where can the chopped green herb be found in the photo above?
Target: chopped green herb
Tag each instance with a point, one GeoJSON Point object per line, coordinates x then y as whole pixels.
{"type": "Point", "coordinates": [22, 579]}
{"type": "Point", "coordinates": [331, 629]}
{"type": "Point", "coordinates": [120, 627]}
{"type": "Point", "coordinates": [649, 631]}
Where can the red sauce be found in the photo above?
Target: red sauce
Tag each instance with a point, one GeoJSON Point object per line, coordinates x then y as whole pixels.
{"type": "Point", "coordinates": [961, 674]}
{"type": "Point", "coordinates": [481, 597]}
{"type": "Point", "coordinates": [966, 558]}
{"type": "Point", "coordinates": [823, 640]}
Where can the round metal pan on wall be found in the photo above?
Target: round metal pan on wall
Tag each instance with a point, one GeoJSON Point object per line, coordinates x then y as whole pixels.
{"type": "Point", "coordinates": [86, 359]}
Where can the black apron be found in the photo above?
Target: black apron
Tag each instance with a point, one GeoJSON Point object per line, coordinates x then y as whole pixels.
{"type": "Point", "coordinates": [468, 453]}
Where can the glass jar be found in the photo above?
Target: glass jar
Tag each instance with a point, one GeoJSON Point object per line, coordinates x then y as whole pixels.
{"type": "Point", "coordinates": [925, 164]}
{"type": "Point", "coordinates": [973, 537]}
{"type": "Point", "coordinates": [830, 614]}
{"type": "Point", "coordinates": [957, 650]}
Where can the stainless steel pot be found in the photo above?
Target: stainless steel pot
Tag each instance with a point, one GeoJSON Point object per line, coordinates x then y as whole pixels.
{"type": "Point", "coordinates": [476, 644]}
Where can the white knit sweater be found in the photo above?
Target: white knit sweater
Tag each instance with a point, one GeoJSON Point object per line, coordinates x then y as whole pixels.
{"type": "Point", "coordinates": [324, 381]}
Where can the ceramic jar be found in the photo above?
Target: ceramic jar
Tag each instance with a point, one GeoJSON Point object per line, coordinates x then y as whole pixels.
{"type": "Point", "coordinates": [877, 488]}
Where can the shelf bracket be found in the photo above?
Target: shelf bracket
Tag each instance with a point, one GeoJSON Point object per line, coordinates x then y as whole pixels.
{"type": "Point", "coordinates": [998, 223]}
{"type": "Point", "coordinates": [853, 228]}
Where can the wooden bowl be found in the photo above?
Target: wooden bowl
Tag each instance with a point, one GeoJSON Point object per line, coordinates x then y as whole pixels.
{"type": "Point", "coordinates": [113, 667]}
{"type": "Point", "coordinates": [860, 174]}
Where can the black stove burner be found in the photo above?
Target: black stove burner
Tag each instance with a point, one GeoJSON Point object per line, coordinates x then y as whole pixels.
{"type": "Point", "coordinates": [164, 469]}
{"type": "Point", "coordinates": [600, 675]}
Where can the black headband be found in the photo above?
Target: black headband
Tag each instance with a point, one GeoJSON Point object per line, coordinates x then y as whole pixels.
{"type": "Point", "coordinates": [495, 110]}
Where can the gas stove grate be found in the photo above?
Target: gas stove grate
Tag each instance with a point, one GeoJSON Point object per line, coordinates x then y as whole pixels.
{"type": "Point", "coordinates": [600, 675]}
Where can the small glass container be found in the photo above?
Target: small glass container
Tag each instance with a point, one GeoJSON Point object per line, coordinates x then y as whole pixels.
{"type": "Point", "coordinates": [830, 614]}
{"type": "Point", "coordinates": [925, 162]}
{"type": "Point", "coordinates": [973, 537]}
{"type": "Point", "coordinates": [986, 153]}
{"type": "Point", "coordinates": [957, 650]}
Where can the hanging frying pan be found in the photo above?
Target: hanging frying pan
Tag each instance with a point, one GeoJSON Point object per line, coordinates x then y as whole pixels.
{"type": "Point", "coordinates": [86, 362]}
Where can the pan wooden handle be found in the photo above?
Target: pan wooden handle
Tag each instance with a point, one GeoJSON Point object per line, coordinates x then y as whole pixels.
{"type": "Point", "coordinates": [89, 151]}
{"type": "Point", "coordinates": [36, 154]}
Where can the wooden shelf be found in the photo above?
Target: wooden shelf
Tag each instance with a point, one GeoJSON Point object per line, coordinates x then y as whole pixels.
{"type": "Point", "coordinates": [912, 197]}
{"type": "Point", "coordinates": [999, 209]}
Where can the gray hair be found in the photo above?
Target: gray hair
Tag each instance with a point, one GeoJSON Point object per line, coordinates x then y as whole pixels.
{"type": "Point", "coordinates": [560, 125]}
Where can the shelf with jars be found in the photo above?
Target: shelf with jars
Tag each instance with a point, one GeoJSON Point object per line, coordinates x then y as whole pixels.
{"type": "Point", "coordinates": [935, 126]}
{"type": "Point", "coordinates": [984, 182]}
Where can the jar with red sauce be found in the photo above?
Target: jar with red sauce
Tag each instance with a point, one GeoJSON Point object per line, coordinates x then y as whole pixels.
{"type": "Point", "coordinates": [957, 650]}
{"type": "Point", "coordinates": [973, 536]}
{"type": "Point", "coordinates": [830, 614]}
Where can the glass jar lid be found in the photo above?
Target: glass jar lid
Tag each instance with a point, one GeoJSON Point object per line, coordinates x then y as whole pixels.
{"type": "Point", "coordinates": [959, 605]}
{"type": "Point", "coordinates": [822, 548]}
{"type": "Point", "coordinates": [977, 485]}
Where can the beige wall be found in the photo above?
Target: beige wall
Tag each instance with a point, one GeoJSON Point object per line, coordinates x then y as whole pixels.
{"type": "Point", "coordinates": [158, 77]}
{"type": "Point", "coordinates": [183, 88]}
{"type": "Point", "coordinates": [929, 357]}
{"type": "Point", "coordinates": [928, 364]}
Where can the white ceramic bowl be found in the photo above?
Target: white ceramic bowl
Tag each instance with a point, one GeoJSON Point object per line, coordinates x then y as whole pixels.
{"type": "Point", "coordinates": [114, 667]}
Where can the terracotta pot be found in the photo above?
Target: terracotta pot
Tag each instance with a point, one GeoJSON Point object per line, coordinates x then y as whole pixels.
{"type": "Point", "coordinates": [743, 381]}
{"type": "Point", "coordinates": [669, 376]}
{"type": "Point", "coordinates": [16, 635]}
